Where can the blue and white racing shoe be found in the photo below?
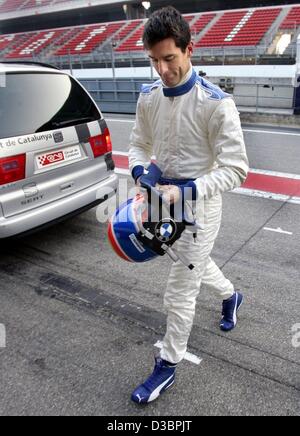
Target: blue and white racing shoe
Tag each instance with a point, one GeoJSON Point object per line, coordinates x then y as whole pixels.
{"type": "Point", "coordinates": [159, 381]}
{"type": "Point", "coordinates": [230, 309]}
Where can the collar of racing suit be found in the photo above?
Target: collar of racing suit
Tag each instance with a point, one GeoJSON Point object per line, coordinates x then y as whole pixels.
{"type": "Point", "coordinates": [184, 87]}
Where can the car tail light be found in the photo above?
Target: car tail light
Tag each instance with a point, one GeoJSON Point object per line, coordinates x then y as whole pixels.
{"type": "Point", "coordinates": [12, 169]}
{"type": "Point", "coordinates": [101, 144]}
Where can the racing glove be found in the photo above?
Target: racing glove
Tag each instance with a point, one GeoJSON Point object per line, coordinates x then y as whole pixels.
{"type": "Point", "coordinates": [137, 172]}
{"type": "Point", "coordinates": [147, 178]}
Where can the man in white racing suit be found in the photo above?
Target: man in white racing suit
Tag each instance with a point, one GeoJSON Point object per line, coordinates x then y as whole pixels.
{"type": "Point", "coordinates": [193, 129]}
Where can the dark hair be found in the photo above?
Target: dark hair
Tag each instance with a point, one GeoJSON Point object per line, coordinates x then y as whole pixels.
{"type": "Point", "coordinates": [167, 23]}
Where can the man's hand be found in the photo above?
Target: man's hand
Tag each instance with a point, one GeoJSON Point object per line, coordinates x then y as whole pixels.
{"type": "Point", "coordinates": [171, 193]}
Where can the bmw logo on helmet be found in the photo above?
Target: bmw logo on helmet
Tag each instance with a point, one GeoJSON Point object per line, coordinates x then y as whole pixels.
{"type": "Point", "coordinates": [165, 230]}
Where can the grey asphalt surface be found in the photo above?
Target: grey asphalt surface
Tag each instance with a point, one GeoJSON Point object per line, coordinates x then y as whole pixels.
{"type": "Point", "coordinates": [81, 324]}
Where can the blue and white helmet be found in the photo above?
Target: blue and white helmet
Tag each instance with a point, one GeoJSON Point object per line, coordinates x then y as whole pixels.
{"type": "Point", "coordinates": [135, 237]}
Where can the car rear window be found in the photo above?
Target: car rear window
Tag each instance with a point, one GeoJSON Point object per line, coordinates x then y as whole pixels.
{"type": "Point", "coordinates": [37, 102]}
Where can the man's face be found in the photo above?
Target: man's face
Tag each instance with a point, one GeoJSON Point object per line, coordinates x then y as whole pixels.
{"type": "Point", "coordinates": [170, 62]}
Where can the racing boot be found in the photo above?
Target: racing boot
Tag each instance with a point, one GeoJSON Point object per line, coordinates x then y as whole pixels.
{"type": "Point", "coordinates": [230, 309]}
{"type": "Point", "coordinates": [159, 381]}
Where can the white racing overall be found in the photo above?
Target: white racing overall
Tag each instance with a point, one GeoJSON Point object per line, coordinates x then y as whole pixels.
{"type": "Point", "coordinates": [195, 133]}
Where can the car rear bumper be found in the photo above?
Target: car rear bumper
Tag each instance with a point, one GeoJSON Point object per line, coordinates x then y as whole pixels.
{"type": "Point", "coordinates": [58, 210]}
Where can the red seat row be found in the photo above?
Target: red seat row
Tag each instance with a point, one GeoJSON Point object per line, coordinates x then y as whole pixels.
{"type": "Point", "coordinates": [234, 28]}
{"type": "Point", "coordinates": [292, 20]}
{"type": "Point", "coordinates": [245, 28]}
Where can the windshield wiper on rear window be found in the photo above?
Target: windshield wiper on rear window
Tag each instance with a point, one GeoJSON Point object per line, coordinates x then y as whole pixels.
{"type": "Point", "coordinates": [74, 121]}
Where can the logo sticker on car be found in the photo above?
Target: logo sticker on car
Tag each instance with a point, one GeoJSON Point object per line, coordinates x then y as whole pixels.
{"type": "Point", "coordinates": [58, 157]}
{"type": "Point", "coordinates": [49, 159]}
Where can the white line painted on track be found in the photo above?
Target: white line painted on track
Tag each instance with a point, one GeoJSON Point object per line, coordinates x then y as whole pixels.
{"type": "Point", "coordinates": [188, 356]}
{"type": "Point", "coordinates": [266, 195]}
{"type": "Point", "coordinates": [278, 230]}
{"type": "Point", "coordinates": [269, 132]}
{"type": "Point", "coordinates": [122, 172]}
{"type": "Point", "coordinates": [275, 173]}
{"type": "Point", "coordinates": [123, 153]}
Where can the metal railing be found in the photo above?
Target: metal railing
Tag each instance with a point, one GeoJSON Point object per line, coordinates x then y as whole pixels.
{"type": "Point", "coordinates": [259, 102]}
{"type": "Point", "coordinates": [109, 58]}
{"type": "Point", "coordinates": [121, 95]}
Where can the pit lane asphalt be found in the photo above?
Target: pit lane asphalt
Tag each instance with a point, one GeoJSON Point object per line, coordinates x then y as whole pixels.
{"type": "Point", "coordinates": [81, 324]}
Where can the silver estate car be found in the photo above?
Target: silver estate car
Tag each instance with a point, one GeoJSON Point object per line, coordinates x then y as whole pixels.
{"type": "Point", "coordinates": [55, 148]}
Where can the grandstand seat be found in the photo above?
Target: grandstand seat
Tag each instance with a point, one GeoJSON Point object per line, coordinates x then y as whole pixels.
{"type": "Point", "coordinates": [34, 45]}
{"type": "Point", "coordinates": [88, 39]}
{"type": "Point", "coordinates": [242, 28]}
{"type": "Point", "coordinates": [189, 18]}
{"type": "Point", "coordinates": [292, 20]}
{"type": "Point", "coordinates": [5, 41]}
{"type": "Point", "coordinates": [31, 4]}
{"type": "Point", "coordinates": [131, 37]}
{"type": "Point", "coordinates": [201, 23]}
{"type": "Point", "coordinates": [15, 5]}
{"type": "Point", "coordinates": [11, 5]}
